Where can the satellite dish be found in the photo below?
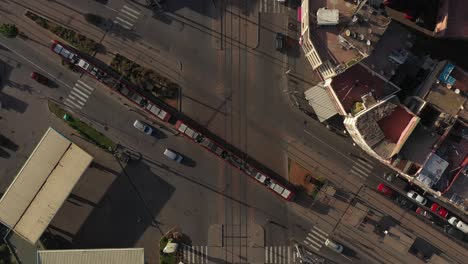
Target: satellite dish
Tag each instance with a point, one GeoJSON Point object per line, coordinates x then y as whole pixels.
{"type": "Point", "coordinates": [347, 32]}
{"type": "Point", "coordinates": [368, 42]}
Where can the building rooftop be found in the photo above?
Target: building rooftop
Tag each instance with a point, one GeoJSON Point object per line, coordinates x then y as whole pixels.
{"type": "Point", "coordinates": [457, 20]}
{"type": "Point", "coordinates": [333, 42]}
{"type": "Point", "coordinates": [421, 140]}
{"type": "Point", "coordinates": [359, 85]}
{"type": "Point", "coordinates": [392, 52]}
{"type": "Point", "coordinates": [386, 127]}
{"type": "Point", "coordinates": [364, 30]}
{"type": "Point", "coordinates": [447, 89]}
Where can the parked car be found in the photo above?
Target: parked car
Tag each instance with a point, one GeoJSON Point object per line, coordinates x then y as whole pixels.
{"type": "Point", "coordinates": [39, 78]}
{"type": "Point", "coordinates": [143, 127]}
{"type": "Point", "coordinates": [454, 232]}
{"type": "Point", "coordinates": [458, 224]}
{"type": "Point", "coordinates": [279, 41]}
{"type": "Point", "coordinates": [416, 197]}
{"type": "Point", "coordinates": [169, 153]}
{"type": "Point", "coordinates": [439, 210]}
{"type": "Point", "coordinates": [385, 190]}
{"type": "Point", "coordinates": [334, 246]}
{"type": "Point", "coordinates": [423, 213]}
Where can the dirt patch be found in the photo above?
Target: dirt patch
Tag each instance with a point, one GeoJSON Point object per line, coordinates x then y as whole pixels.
{"type": "Point", "coordinates": [301, 177]}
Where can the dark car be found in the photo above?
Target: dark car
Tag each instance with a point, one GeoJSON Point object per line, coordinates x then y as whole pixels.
{"type": "Point", "coordinates": [279, 41]}
{"type": "Point", "coordinates": [454, 232]}
{"type": "Point", "coordinates": [39, 78]}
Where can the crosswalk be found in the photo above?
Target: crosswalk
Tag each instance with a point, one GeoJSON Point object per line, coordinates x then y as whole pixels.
{"type": "Point", "coordinates": [361, 168]}
{"type": "Point", "coordinates": [127, 17]}
{"type": "Point", "coordinates": [315, 238]}
{"type": "Point", "coordinates": [79, 95]}
{"type": "Point", "coordinates": [272, 6]}
{"type": "Point", "coordinates": [195, 254]}
{"type": "Point", "coordinates": [280, 254]}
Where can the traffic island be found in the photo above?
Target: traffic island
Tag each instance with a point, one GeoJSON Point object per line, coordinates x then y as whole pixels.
{"type": "Point", "coordinates": [85, 130]}
{"type": "Point", "coordinates": [146, 79]}
{"type": "Point", "coordinates": [81, 42]}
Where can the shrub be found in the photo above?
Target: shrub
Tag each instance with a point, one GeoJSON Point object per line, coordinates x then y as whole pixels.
{"type": "Point", "coordinates": [9, 30]}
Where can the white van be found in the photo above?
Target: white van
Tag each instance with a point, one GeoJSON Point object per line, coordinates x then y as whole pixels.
{"type": "Point", "coordinates": [333, 245]}
{"type": "Point", "coordinates": [458, 224]}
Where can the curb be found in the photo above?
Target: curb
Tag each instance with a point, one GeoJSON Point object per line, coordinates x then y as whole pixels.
{"type": "Point", "coordinates": [258, 33]}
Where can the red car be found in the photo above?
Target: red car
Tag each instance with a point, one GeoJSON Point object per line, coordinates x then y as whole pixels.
{"type": "Point", "coordinates": [39, 78]}
{"type": "Point", "coordinates": [439, 210]}
{"type": "Point", "coordinates": [385, 190]}
{"type": "Point", "coordinates": [423, 212]}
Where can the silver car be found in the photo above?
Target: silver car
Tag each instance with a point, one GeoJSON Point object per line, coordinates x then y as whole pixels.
{"type": "Point", "coordinates": [143, 127]}
{"type": "Point", "coordinates": [169, 153]}
{"type": "Point", "coordinates": [416, 197]}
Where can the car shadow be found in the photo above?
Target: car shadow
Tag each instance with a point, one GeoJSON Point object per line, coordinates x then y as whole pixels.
{"type": "Point", "coordinates": [348, 252]}
{"type": "Point", "coordinates": [158, 134]}
{"type": "Point", "coordinates": [188, 162]}
{"type": "Point", "coordinates": [8, 143]}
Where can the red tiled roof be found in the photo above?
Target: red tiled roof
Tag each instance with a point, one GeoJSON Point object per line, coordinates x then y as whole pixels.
{"type": "Point", "coordinates": [394, 124]}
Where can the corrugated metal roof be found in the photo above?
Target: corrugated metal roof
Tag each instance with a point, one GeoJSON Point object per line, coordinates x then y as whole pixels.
{"type": "Point", "coordinates": [42, 185]}
{"type": "Point", "coordinates": [92, 256]}
{"type": "Point", "coordinates": [321, 102]}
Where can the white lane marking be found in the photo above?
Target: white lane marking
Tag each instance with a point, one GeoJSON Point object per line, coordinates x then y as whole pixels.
{"type": "Point", "coordinates": [130, 15]}
{"type": "Point", "coordinates": [316, 234]}
{"type": "Point", "coordinates": [71, 104]}
{"type": "Point", "coordinates": [81, 88]}
{"type": "Point", "coordinates": [77, 100]}
{"type": "Point", "coordinates": [313, 242]}
{"type": "Point", "coordinates": [131, 10]}
{"type": "Point", "coordinates": [359, 174]}
{"type": "Point", "coordinates": [85, 85]}
{"type": "Point", "coordinates": [123, 21]}
{"type": "Point", "coordinates": [370, 166]}
{"type": "Point", "coordinates": [312, 246]}
{"type": "Point", "coordinates": [358, 165]}
{"type": "Point", "coordinates": [122, 25]}
{"type": "Point", "coordinates": [79, 93]}
{"type": "Point", "coordinates": [320, 230]}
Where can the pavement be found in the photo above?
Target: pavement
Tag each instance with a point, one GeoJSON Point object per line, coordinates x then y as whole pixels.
{"type": "Point", "coordinates": [239, 94]}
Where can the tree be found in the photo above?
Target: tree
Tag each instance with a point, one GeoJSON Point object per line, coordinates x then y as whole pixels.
{"type": "Point", "coordinates": [9, 30]}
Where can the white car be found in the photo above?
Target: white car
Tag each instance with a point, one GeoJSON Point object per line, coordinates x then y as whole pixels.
{"type": "Point", "coordinates": [416, 197]}
{"type": "Point", "coordinates": [333, 245]}
{"type": "Point", "coordinates": [460, 225]}
{"type": "Point", "coordinates": [173, 155]}
{"type": "Point", "coordinates": [143, 127]}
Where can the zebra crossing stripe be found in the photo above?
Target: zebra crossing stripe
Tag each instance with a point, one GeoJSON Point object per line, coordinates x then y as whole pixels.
{"type": "Point", "coordinates": [122, 25]}
{"type": "Point", "coordinates": [128, 14]}
{"type": "Point", "coordinates": [365, 163]}
{"type": "Point", "coordinates": [79, 93]}
{"type": "Point", "coordinates": [130, 10]}
{"type": "Point", "coordinates": [359, 174]}
{"type": "Point", "coordinates": [76, 100]}
{"type": "Point", "coordinates": [361, 166]}
{"type": "Point", "coordinates": [312, 246]}
{"type": "Point", "coordinates": [84, 85]}
{"type": "Point", "coordinates": [72, 104]}
{"type": "Point", "coordinates": [320, 230]}
{"type": "Point", "coordinates": [316, 234]}
{"type": "Point", "coordinates": [123, 21]}
{"type": "Point", "coordinates": [313, 242]}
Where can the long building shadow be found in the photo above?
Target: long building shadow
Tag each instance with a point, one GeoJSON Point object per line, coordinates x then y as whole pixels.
{"type": "Point", "coordinates": [121, 216]}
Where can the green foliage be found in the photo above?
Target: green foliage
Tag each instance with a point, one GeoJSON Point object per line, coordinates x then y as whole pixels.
{"type": "Point", "coordinates": [144, 78]}
{"type": "Point", "coordinates": [81, 42]}
{"type": "Point", "coordinates": [9, 30]}
{"type": "Point", "coordinates": [83, 129]}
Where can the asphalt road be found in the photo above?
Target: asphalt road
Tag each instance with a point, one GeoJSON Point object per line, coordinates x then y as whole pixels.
{"type": "Point", "coordinates": [239, 91]}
